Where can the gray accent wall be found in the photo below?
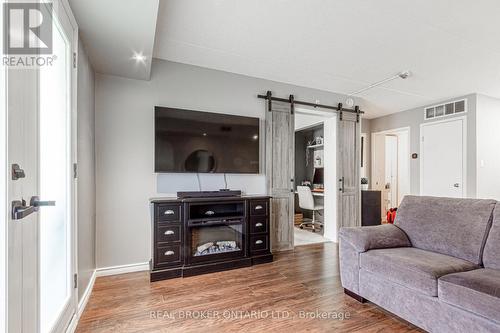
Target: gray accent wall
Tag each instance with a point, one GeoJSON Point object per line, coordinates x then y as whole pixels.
{"type": "Point", "coordinates": [414, 118]}
{"type": "Point", "coordinates": [86, 170]}
{"type": "Point", "coordinates": [125, 146]}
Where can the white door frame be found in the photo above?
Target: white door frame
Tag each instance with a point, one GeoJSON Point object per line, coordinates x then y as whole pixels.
{"type": "Point", "coordinates": [330, 158]}
{"type": "Point", "coordinates": [65, 9]}
{"type": "Point", "coordinates": [4, 218]}
{"type": "Point", "coordinates": [389, 131]}
{"type": "Point", "coordinates": [464, 150]}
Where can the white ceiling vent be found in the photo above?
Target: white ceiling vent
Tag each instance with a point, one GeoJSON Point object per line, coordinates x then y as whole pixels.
{"type": "Point", "coordinates": [441, 110]}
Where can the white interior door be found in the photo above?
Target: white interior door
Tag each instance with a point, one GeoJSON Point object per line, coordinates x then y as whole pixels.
{"type": "Point", "coordinates": [41, 259]}
{"type": "Point", "coordinates": [443, 158]}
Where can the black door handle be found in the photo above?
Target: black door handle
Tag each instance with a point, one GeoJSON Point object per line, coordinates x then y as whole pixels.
{"type": "Point", "coordinates": [20, 210]}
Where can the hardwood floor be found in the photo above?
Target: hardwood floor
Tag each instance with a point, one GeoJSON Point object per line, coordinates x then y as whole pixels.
{"type": "Point", "coordinates": [286, 295]}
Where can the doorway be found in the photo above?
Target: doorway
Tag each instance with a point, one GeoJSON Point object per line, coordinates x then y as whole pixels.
{"type": "Point", "coordinates": [41, 189]}
{"type": "Point", "coordinates": [314, 171]}
{"type": "Point", "coordinates": [391, 167]}
{"type": "Point", "coordinates": [443, 141]}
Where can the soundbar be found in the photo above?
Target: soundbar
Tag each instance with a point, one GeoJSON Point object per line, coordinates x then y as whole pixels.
{"type": "Point", "coordinates": [208, 194]}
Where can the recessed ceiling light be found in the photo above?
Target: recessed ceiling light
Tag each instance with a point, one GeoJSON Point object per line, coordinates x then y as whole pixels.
{"type": "Point", "coordinates": [255, 137]}
{"type": "Point", "coordinates": [139, 57]}
{"type": "Point", "coordinates": [204, 134]}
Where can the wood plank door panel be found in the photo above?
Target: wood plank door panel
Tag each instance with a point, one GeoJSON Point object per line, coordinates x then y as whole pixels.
{"type": "Point", "coordinates": [279, 170]}
{"type": "Point", "coordinates": [348, 170]}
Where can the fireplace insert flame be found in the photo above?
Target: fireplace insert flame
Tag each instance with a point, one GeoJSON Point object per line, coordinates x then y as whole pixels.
{"type": "Point", "coordinates": [216, 247]}
{"type": "Point", "coordinates": [216, 239]}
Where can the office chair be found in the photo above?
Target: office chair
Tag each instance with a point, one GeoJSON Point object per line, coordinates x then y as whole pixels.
{"type": "Point", "coordinates": [306, 201]}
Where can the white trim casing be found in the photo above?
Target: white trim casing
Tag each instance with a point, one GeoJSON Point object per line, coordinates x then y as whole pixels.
{"type": "Point", "coordinates": [374, 151]}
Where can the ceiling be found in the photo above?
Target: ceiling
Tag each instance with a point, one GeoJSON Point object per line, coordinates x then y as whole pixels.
{"type": "Point", "coordinates": [451, 47]}
{"type": "Point", "coordinates": [114, 30]}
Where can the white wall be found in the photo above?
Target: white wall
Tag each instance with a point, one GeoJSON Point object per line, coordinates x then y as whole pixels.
{"type": "Point", "coordinates": [125, 146]}
{"type": "Point", "coordinates": [330, 179]}
{"type": "Point", "coordinates": [488, 143]}
{"type": "Point", "coordinates": [307, 118]}
{"type": "Point", "coordinates": [86, 170]}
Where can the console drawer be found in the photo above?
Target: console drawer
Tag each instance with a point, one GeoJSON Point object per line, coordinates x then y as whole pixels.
{"type": "Point", "coordinates": [258, 224]}
{"type": "Point", "coordinates": [168, 255]}
{"type": "Point", "coordinates": [259, 243]}
{"type": "Point", "coordinates": [168, 233]}
{"type": "Point", "coordinates": [168, 212]}
{"type": "Point", "coordinates": [259, 208]}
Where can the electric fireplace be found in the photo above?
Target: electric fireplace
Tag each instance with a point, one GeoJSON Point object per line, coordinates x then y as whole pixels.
{"type": "Point", "coordinates": [215, 231]}
{"type": "Point", "coordinates": [200, 235]}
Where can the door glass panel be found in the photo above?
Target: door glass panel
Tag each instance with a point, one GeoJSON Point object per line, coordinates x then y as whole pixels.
{"type": "Point", "coordinates": [55, 164]}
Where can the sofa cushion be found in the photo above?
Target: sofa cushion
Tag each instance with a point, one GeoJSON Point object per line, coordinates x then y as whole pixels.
{"type": "Point", "coordinates": [477, 291]}
{"type": "Point", "coordinates": [491, 256]}
{"type": "Point", "coordinates": [456, 227]}
{"type": "Point", "coordinates": [413, 268]}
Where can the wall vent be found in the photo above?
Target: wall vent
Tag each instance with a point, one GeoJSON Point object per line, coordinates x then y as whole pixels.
{"type": "Point", "coordinates": [442, 110]}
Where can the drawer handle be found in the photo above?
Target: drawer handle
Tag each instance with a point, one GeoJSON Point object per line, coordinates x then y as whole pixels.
{"type": "Point", "coordinates": [169, 253]}
{"type": "Point", "coordinates": [258, 207]}
{"type": "Point", "coordinates": [209, 212]}
{"type": "Point", "coordinates": [258, 242]}
{"type": "Point", "coordinates": [168, 232]}
{"type": "Point", "coordinates": [258, 224]}
{"type": "Point", "coordinates": [169, 212]}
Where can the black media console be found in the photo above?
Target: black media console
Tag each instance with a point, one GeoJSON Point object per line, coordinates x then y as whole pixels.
{"type": "Point", "coordinates": [194, 236]}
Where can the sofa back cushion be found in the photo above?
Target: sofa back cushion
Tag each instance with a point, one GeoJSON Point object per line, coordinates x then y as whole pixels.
{"type": "Point", "coordinates": [456, 227]}
{"type": "Point", "coordinates": [491, 256]}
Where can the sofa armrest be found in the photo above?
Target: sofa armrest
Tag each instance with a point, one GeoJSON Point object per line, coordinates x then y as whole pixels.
{"type": "Point", "coordinates": [374, 237]}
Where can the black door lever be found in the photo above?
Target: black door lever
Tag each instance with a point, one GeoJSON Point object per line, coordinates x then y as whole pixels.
{"type": "Point", "coordinates": [20, 210]}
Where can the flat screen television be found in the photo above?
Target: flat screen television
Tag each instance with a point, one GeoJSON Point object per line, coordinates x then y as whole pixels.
{"type": "Point", "coordinates": [203, 142]}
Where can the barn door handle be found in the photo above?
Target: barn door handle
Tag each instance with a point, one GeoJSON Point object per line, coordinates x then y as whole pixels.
{"type": "Point", "coordinates": [341, 180]}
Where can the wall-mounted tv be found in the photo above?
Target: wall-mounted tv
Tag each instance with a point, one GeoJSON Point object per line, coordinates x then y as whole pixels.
{"type": "Point", "coordinates": [203, 142]}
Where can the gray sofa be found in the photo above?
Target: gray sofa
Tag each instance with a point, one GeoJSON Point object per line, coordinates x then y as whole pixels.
{"type": "Point", "coordinates": [438, 266]}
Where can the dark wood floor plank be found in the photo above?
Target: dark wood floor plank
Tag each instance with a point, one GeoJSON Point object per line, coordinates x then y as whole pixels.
{"type": "Point", "coordinates": [286, 295]}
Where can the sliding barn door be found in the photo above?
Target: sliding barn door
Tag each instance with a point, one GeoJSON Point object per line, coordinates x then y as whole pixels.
{"type": "Point", "coordinates": [348, 170]}
{"type": "Point", "coordinates": [279, 173]}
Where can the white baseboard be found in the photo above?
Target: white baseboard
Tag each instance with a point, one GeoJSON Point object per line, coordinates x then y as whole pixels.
{"type": "Point", "coordinates": [122, 269]}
